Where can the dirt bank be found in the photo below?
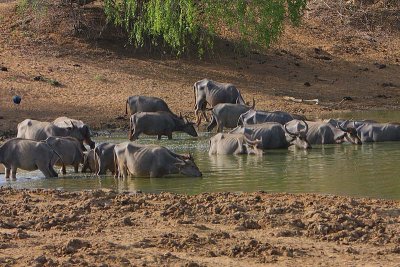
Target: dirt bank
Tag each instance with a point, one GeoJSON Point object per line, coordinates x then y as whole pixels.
{"type": "Point", "coordinates": [103, 228]}
{"type": "Point", "coordinates": [95, 77]}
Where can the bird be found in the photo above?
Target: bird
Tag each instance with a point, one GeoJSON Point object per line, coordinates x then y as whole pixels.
{"type": "Point", "coordinates": [16, 99]}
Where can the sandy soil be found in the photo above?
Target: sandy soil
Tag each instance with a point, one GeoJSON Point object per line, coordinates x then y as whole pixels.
{"type": "Point", "coordinates": [103, 228]}
{"type": "Point", "coordinates": [314, 61]}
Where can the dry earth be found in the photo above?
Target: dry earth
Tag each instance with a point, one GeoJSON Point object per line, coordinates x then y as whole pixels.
{"type": "Point", "coordinates": [103, 228]}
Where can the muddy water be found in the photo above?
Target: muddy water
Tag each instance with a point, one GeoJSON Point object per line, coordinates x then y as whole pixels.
{"type": "Point", "coordinates": [371, 170]}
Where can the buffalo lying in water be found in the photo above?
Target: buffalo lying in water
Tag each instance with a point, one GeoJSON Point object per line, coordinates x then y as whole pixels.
{"type": "Point", "coordinates": [325, 133]}
{"type": "Point", "coordinates": [151, 161]}
{"type": "Point", "coordinates": [275, 135]}
{"type": "Point", "coordinates": [258, 116]}
{"type": "Point", "coordinates": [229, 143]}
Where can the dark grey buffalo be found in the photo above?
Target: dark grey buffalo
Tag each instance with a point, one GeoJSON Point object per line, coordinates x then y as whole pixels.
{"type": "Point", "coordinates": [151, 161]}
{"type": "Point", "coordinates": [159, 123]}
{"type": "Point", "coordinates": [275, 135]}
{"type": "Point", "coordinates": [69, 150]}
{"type": "Point", "coordinates": [379, 132]}
{"type": "Point", "coordinates": [139, 103]}
{"type": "Point", "coordinates": [65, 122]}
{"type": "Point", "coordinates": [29, 155]}
{"type": "Point", "coordinates": [257, 116]}
{"type": "Point", "coordinates": [38, 130]}
{"type": "Point", "coordinates": [100, 160]}
{"type": "Point", "coordinates": [227, 115]}
{"type": "Point", "coordinates": [89, 162]}
{"type": "Point", "coordinates": [209, 92]}
{"type": "Point", "coordinates": [233, 144]}
{"type": "Point", "coordinates": [326, 133]}
{"type": "Point", "coordinates": [104, 155]}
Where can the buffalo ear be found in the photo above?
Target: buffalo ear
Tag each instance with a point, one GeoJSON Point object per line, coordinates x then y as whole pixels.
{"type": "Point", "coordinates": [180, 115]}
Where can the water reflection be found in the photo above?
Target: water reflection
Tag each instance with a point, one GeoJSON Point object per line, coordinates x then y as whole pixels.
{"type": "Point", "coordinates": [369, 170]}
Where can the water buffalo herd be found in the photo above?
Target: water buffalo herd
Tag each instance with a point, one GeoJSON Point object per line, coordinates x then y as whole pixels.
{"type": "Point", "coordinates": [42, 145]}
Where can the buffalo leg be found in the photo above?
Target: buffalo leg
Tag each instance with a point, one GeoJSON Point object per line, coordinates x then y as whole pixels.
{"type": "Point", "coordinates": [212, 124]}
{"type": "Point", "coordinates": [169, 136]}
{"type": "Point", "coordinates": [159, 137]}
{"type": "Point", "coordinates": [8, 170]}
{"type": "Point", "coordinates": [76, 168]}
{"type": "Point", "coordinates": [63, 170]}
{"type": "Point", "coordinates": [220, 128]}
{"type": "Point", "coordinates": [14, 173]}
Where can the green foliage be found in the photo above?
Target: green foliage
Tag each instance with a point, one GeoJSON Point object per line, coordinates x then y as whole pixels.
{"type": "Point", "coordinates": [185, 24]}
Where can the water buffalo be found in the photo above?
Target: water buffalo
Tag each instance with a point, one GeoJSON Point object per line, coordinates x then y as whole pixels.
{"type": "Point", "coordinates": [104, 156]}
{"type": "Point", "coordinates": [28, 155]}
{"type": "Point", "coordinates": [326, 133]}
{"type": "Point", "coordinates": [213, 93]}
{"type": "Point", "coordinates": [65, 122]}
{"type": "Point", "coordinates": [229, 143]}
{"type": "Point", "coordinates": [379, 132]}
{"type": "Point", "coordinates": [69, 149]}
{"type": "Point", "coordinates": [151, 161]}
{"type": "Point", "coordinates": [158, 123]}
{"type": "Point", "coordinates": [227, 115]}
{"type": "Point", "coordinates": [275, 135]}
{"type": "Point", "coordinates": [89, 162]}
{"type": "Point", "coordinates": [138, 103]}
{"type": "Point", "coordinates": [257, 116]}
{"type": "Point", "coordinates": [38, 130]}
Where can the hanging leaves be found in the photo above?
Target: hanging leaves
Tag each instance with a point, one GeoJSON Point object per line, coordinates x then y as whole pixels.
{"type": "Point", "coordinates": [185, 24]}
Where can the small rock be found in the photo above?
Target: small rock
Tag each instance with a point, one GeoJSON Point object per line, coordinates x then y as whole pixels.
{"type": "Point", "coordinates": [307, 84]}
{"type": "Point", "coordinates": [38, 78]}
{"type": "Point", "coordinates": [4, 69]}
{"type": "Point", "coordinates": [127, 221]}
{"type": "Point", "coordinates": [380, 66]}
{"type": "Point", "coordinates": [382, 96]}
{"type": "Point", "coordinates": [349, 98]}
{"type": "Point", "coordinates": [41, 260]}
{"type": "Point", "coordinates": [74, 245]}
{"type": "Point", "coordinates": [388, 84]}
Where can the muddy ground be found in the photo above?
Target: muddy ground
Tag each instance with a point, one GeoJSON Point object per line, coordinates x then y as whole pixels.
{"type": "Point", "coordinates": [104, 228]}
